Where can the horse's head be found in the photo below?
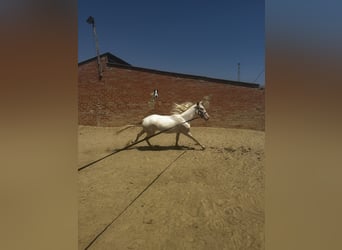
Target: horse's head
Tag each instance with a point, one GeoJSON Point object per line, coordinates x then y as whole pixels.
{"type": "Point", "coordinates": [201, 112]}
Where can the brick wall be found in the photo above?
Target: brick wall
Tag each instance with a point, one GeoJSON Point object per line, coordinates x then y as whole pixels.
{"type": "Point", "coordinates": [123, 96]}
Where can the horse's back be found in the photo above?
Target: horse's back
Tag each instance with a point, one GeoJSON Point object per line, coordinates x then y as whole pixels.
{"type": "Point", "coordinates": [161, 122]}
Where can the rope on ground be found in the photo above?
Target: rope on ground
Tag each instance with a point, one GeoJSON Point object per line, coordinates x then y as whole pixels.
{"type": "Point", "coordinates": [143, 191]}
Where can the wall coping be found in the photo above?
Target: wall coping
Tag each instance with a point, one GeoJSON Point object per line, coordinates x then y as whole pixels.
{"type": "Point", "coordinates": [189, 76]}
{"type": "Point", "coordinates": [114, 61]}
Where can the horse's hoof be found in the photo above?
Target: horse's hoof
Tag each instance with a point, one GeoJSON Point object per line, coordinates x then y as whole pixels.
{"type": "Point", "coordinates": [203, 148]}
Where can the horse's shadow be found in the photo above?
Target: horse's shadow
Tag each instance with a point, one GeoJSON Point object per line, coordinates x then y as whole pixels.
{"type": "Point", "coordinates": [161, 148]}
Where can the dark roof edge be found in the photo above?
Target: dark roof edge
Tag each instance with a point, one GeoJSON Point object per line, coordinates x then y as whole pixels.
{"type": "Point", "coordinates": [205, 78]}
{"type": "Point", "coordinates": [110, 56]}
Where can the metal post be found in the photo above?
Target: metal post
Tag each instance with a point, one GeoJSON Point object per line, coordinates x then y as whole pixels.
{"type": "Point", "coordinates": [91, 21]}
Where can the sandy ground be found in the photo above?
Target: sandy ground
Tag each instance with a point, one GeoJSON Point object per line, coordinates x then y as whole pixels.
{"type": "Point", "coordinates": [211, 199]}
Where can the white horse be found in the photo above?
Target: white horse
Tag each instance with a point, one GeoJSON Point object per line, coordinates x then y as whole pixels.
{"type": "Point", "coordinates": [177, 123]}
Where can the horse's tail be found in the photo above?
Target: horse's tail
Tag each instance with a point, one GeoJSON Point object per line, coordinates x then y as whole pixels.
{"type": "Point", "coordinates": [128, 126]}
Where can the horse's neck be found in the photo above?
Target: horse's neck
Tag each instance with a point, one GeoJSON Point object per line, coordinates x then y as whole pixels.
{"type": "Point", "coordinates": [188, 114]}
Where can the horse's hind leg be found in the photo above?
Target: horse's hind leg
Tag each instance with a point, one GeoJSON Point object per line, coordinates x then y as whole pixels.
{"type": "Point", "coordinates": [148, 135]}
{"type": "Point", "coordinates": [139, 134]}
{"type": "Point", "coordinates": [188, 134]}
{"type": "Point", "coordinates": [148, 142]}
{"type": "Point", "coordinates": [177, 139]}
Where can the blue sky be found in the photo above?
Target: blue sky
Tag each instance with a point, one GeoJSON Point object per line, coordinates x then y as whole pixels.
{"type": "Point", "coordinates": [206, 38]}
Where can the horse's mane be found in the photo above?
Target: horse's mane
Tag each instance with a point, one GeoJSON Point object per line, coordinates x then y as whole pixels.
{"type": "Point", "coordinates": [180, 108]}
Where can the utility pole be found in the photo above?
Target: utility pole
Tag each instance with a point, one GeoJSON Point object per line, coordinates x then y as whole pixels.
{"type": "Point", "coordinates": [238, 72]}
{"type": "Point", "coordinates": [91, 21]}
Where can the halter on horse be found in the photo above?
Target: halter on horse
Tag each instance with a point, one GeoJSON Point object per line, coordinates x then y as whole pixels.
{"type": "Point", "coordinates": [177, 123]}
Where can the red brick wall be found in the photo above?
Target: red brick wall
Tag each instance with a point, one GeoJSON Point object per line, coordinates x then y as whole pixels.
{"type": "Point", "coordinates": [123, 96]}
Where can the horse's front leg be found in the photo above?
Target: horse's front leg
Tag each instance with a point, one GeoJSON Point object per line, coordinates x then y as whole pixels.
{"type": "Point", "coordinates": [188, 134]}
